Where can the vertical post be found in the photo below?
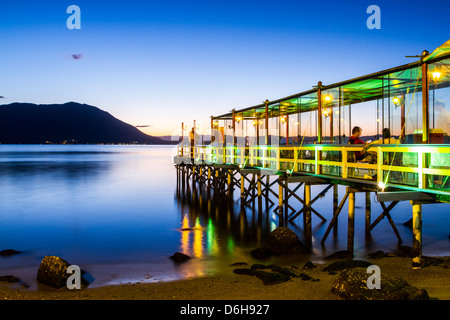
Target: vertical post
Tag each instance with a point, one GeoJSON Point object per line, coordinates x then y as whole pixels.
{"type": "Point", "coordinates": [417, 234]}
{"type": "Point", "coordinates": [280, 198]}
{"type": "Point", "coordinates": [266, 115]}
{"type": "Point", "coordinates": [368, 213]}
{"type": "Point", "coordinates": [209, 175]}
{"type": "Point", "coordinates": [242, 188]}
{"type": "Point", "coordinates": [331, 125]}
{"type": "Point", "coordinates": [319, 112]}
{"type": "Point", "coordinates": [425, 103]}
{"type": "Point", "coordinates": [378, 119]}
{"type": "Point", "coordinates": [340, 115]}
{"type": "Point", "coordinates": [182, 137]}
{"type": "Point", "coordinates": [351, 220]}
{"type": "Point", "coordinates": [233, 153]}
{"type": "Point", "coordinates": [229, 182]}
{"type": "Point", "coordinates": [287, 130]}
{"type": "Point", "coordinates": [216, 181]}
{"type": "Point", "coordinates": [402, 119]}
{"type": "Point", "coordinates": [193, 176]}
{"type": "Point", "coordinates": [349, 120]}
{"type": "Point", "coordinates": [257, 132]}
{"type": "Point", "coordinates": [259, 186]}
{"type": "Point", "coordinates": [335, 205]}
{"type": "Point", "coordinates": [307, 215]}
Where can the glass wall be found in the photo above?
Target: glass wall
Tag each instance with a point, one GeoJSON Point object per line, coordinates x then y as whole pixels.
{"type": "Point", "coordinates": [439, 77]}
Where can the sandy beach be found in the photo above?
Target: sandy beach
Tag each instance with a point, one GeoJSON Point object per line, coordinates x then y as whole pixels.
{"type": "Point", "coordinates": [434, 279]}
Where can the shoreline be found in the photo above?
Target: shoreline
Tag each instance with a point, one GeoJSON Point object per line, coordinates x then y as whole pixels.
{"type": "Point", "coordinates": [231, 286]}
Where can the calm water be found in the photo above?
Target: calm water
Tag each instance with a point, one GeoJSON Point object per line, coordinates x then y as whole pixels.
{"type": "Point", "coordinates": [115, 211]}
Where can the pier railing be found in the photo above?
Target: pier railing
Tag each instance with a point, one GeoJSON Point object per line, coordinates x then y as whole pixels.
{"type": "Point", "coordinates": [415, 167]}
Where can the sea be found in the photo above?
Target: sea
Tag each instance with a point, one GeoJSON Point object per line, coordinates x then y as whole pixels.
{"type": "Point", "coordinates": [119, 213]}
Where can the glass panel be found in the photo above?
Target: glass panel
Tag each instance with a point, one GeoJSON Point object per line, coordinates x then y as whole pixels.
{"type": "Point", "coordinates": [330, 112]}
{"type": "Point", "coordinates": [439, 102]}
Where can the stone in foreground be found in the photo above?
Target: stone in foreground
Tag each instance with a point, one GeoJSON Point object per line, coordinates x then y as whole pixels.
{"type": "Point", "coordinates": [352, 285]}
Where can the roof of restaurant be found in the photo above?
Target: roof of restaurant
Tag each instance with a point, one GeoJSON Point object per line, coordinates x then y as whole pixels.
{"type": "Point", "coordinates": [386, 83]}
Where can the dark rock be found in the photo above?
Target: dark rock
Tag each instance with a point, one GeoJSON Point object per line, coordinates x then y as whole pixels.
{"type": "Point", "coordinates": [346, 264]}
{"type": "Point", "coordinates": [179, 257]}
{"type": "Point", "coordinates": [9, 279]}
{"type": "Point", "coordinates": [9, 252]}
{"type": "Point", "coordinates": [275, 268]}
{"type": "Point", "coordinates": [53, 272]}
{"type": "Point", "coordinates": [309, 266]}
{"type": "Point", "coordinates": [306, 277]}
{"type": "Point", "coordinates": [405, 251]}
{"type": "Point", "coordinates": [278, 274]}
{"type": "Point", "coordinates": [408, 223]}
{"type": "Point", "coordinates": [261, 253]}
{"type": "Point", "coordinates": [345, 254]}
{"type": "Point", "coordinates": [352, 285]}
{"type": "Point", "coordinates": [284, 240]}
{"type": "Point", "coordinates": [430, 261]}
{"type": "Point", "coordinates": [238, 264]}
{"type": "Point", "coordinates": [377, 255]}
{"type": "Point", "coordinates": [13, 279]}
{"type": "Point", "coordinates": [268, 278]}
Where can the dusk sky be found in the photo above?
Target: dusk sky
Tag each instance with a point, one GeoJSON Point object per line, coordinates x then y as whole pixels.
{"type": "Point", "coordinates": [160, 63]}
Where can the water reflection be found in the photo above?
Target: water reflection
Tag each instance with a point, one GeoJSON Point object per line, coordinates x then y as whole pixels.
{"type": "Point", "coordinates": [214, 226]}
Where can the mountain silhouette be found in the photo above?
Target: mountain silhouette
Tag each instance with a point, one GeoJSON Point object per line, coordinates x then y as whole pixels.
{"type": "Point", "coordinates": [26, 123]}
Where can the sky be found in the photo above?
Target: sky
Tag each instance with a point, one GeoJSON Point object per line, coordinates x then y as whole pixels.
{"type": "Point", "coordinates": [160, 63]}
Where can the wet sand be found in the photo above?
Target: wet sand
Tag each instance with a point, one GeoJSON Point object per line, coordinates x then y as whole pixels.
{"type": "Point", "coordinates": [435, 279]}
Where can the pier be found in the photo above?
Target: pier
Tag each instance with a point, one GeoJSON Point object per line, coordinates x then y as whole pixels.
{"type": "Point", "coordinates": [280, 149]}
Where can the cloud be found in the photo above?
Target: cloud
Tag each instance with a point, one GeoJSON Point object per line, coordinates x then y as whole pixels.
{"type": "Point", "coordinates": [2, 97]}
{"type": "Point", "coordinates": [77, 56]}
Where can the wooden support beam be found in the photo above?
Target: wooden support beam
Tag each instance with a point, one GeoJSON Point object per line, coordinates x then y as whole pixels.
{"type": "Point", "coordinates": [242, 187]}
{"type": "Point", "coordinates": [386, 213]}
{"type": "Point", "coordinates": [308, 179]}
{"type": "Point", "coordinates": [367, 214]}
{"type": "Point", "coordinates": [335, 202]}
{"type": "Point", "coordinates": [425, 103]}
{"type": "Point", "coordinates": [319, 112]}
{"type": "Point", "coordinates": [319, 196]}
{"type": "Point", "coordinates": [417, 234]}
{"type": "Point", "coordinates": [404, 196]}
{"type": "Point", "coordinates": [280, 197]}
{"type": "Point", "coordinates": [307, 225]}
{"type": "Point", "coordinates": [333, 221]}
{"type": "Point", "coordinates": [351, 221]}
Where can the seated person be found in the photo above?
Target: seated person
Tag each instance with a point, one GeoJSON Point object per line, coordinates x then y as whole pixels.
{"type": "Point", "coordinates": [354, 139]}
{"type": "Point", "coordinates": [386, 138]}
{"type": "Point", "coordinates": [372, 156]}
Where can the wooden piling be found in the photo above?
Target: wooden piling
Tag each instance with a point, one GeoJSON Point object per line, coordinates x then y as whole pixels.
{"type": "Point", "coordinates": [367, 215]}
{"type": "Point", "coordinates": [242, 188]}
{"type": "Point", "coordinates": [280, 198]}
{"type": "Point", "coordinates": [417, 234]}
{"type": "Point", "coordinates": [351, 221]}
{"type": "Point", "coordinates": [307, 215]}
{"type": "Point", "coordinates": [335, 206]}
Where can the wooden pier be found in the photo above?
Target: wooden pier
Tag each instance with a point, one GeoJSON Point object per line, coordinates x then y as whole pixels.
{"type": "Point", "coordinates": [264, 152]}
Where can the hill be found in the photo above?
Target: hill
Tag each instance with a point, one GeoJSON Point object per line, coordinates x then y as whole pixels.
{"type": "Point", "coordinates": [26, 123]}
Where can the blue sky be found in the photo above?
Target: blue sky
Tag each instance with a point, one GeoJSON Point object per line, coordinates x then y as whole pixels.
{"type": "Point", "coordinates": [160, 63]}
